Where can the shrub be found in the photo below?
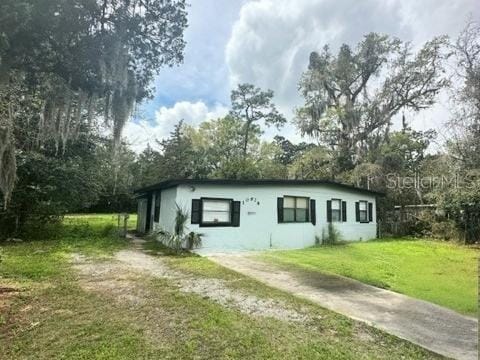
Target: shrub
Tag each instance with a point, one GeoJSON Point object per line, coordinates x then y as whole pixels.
{"type": "Point", "coordinates": [445, 230]}
{"type": "Point", "coordinates": [331, 236]}
{"type": "Point", "coordinates": [193, 240]}
{"type": "Point", "coordinates": [176, 239]}
{"type": "Point", "coordinates": [109, 230]}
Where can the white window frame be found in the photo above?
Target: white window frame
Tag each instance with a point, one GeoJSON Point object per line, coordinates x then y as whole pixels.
{"type": "Point", "coordinates": [360, 211]}
{"type": "Point", "coordinates": [295, 208]}
{"type": "Point", "coordinates": [332, 210]}
{"type": "Point", "coordinates": [216, 223]}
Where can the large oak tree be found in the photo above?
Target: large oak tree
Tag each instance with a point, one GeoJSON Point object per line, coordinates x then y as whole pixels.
{"type": "Point", "coordinates": [352, 97]}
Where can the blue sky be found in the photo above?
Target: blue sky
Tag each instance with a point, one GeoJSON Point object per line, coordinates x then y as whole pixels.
{"type": "Point", "coordinates": [267, 43]}
{"type": "Point", "coordinates": [204, 73]}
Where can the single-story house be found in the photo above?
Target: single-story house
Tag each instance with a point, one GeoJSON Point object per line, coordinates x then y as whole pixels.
{"type": "Point", "coordinates": [259, 214]}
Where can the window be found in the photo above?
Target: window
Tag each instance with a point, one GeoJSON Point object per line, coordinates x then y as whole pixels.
{"type": "Point", "coordinates": [216, 211]}
{"type": "Point", "coordinates": [295, 209]}
{"type": "Point", "coordinates": [363, 211]}
{"type": "Point", "coordinates": [336, 210]}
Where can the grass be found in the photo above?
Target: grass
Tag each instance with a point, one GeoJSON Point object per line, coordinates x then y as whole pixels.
{"type": "Point", "coordinates": [54, 317]}
{"type": "Point", "coordinates": [442, 273]}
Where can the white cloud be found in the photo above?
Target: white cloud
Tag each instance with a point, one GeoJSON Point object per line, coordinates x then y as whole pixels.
{"type": "Point", "coordinates": [139, 134]}
{"type": "Point", "coordinates": [272, 39]}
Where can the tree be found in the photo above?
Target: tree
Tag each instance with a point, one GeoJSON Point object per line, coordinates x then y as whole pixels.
{"type": "Point", "coordinates": [49, 186]}
{"type": "Point", "coordinates": [351, 98]}
{"type": "Point", "coordinates": [69, 69]}
{"type": "Point", "coordinates": [401, 156]}
{"type": "Point", "coordinates": [253, 105]}
{"type": "Point", "coordinates": [465, 123]}
{"type": "Point", "coordinates": [267, 161]}
{"type": "Point", "coordinates": [313, 164]}
{"type": "Point", "coordinates": [179, 158]}
{"type": "Point", "coordinates": [462, 202]}
{"type": "Point", "coordinates": [289, 151]}
{"type": "Point", "coordinates": [218, 144]}
{"type": "Point", "coordinates": [148, 167]}
{"type": "Point", "coordinates": [405, 150]}
{"type": "Point", "coordinates": [64, 63]}
{"type": "Point", "coordinates": [115, 195]}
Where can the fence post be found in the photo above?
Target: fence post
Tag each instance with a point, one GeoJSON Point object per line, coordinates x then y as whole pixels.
{"type": "Point", "coordinates": [125, 222]}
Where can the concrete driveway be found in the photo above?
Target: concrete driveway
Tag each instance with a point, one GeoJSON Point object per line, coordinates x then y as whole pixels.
{"type": "Point", "coordinates": [433, 327]}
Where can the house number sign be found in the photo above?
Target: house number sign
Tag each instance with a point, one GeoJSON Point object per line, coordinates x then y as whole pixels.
{"type": "Point", "coordinates": [252, 200]}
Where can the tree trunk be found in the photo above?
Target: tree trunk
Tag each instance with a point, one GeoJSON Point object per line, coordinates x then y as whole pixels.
{"type": "Point", "coordinates": [245, 142]}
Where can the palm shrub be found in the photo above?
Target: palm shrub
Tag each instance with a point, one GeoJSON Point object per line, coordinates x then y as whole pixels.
{"type": "Point", "coordinates": [179, 236]}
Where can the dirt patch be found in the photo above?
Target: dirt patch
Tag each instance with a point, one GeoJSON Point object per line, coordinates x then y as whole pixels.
{"type": "Point", "coordinates": [4, 290]}
{"type": "Point", "coordinates": [218, 291]}
{"type": "Point", "coordinates": [119, 277]}
{"type": "Point", "coordinates": [111, 278]}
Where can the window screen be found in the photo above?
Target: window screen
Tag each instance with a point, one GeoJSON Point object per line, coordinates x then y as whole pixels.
{"type": "Point", "coordinates": [363, 206]}
{"type": "Point", "coordinates": [295, 209]}
{"type": "Point", "coordinates": [336, 210]}
{"type": "Point", "coordinates": [216, 211]}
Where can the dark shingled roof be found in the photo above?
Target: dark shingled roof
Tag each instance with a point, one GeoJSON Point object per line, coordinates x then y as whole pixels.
{"type": "Point", "coordinates": [263, 182]}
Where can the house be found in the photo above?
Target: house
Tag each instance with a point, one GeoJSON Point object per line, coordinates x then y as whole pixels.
{"type": "Point", "coordinates": [259, 214]}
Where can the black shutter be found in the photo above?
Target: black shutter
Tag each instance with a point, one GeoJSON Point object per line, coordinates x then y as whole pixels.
{"type": "Point", "coordinates": [196, 211]}
{"type": "Point", "coordinates": [344, 211]}
{"type": "Point", "coordinates": [280, 209]}
{"type": "Point", "coordinates": [370, 212]}
{"type": "Point", "coordinates": [357, 211]}
{"type": "Point", "coordinates": [329, 210]}
{"type": "Point", "coordinates": [236, 214]}
{"type": "Point", "coordinates": [148, 219]}
{"type": "Point", "coordinates": [313, 213]}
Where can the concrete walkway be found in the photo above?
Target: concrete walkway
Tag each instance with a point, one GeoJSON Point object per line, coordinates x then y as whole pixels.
{"type": "Point", "coordinates": [433, 327]}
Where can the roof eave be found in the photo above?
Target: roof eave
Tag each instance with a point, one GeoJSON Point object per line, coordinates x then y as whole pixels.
{"type": "Point", "coordinates": [175, 182]}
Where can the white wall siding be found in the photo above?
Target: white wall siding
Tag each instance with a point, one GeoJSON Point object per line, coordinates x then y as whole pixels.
{"type": "Point", "coordinates": [168, 209]}
{"type": "Point", "coordinates": [258, 220]}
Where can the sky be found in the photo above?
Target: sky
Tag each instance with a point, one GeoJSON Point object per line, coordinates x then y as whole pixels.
{"type": "Point", "coordinates": [268, 42]}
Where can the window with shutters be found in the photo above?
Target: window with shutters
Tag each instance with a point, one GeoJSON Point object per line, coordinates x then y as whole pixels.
{"type": "Point", "coordinates": [295, 209]}
{"type": "Point", "coordinates": [216, 211]}
{"type": "Point", "coordinates": [363, 211]}
{"type": "Point", "coordinates": [336, 210]}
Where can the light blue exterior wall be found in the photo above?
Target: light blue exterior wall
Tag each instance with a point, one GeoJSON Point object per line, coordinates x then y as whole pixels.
{"type": "Point", "coordinates": [167, 209]}
{"type": "Point", "coordinates": [258, 215]}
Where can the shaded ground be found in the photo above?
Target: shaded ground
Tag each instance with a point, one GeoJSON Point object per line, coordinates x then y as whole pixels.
{"type": "Point", "coordinates": [431, 326]}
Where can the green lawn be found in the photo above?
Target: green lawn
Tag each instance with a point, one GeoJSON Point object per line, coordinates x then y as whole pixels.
{"type": "Point", "coordinates": [99, 220]}
{"type": "Point", "coordinates": [442, 273]}
{"type": "Point", "coordinates": [53, 316]}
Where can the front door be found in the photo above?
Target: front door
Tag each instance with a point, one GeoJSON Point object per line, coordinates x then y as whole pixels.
{"type": "Point", "coordinates": [141, 215]}
{"type": "Point", "coordinates": [148, 220]}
